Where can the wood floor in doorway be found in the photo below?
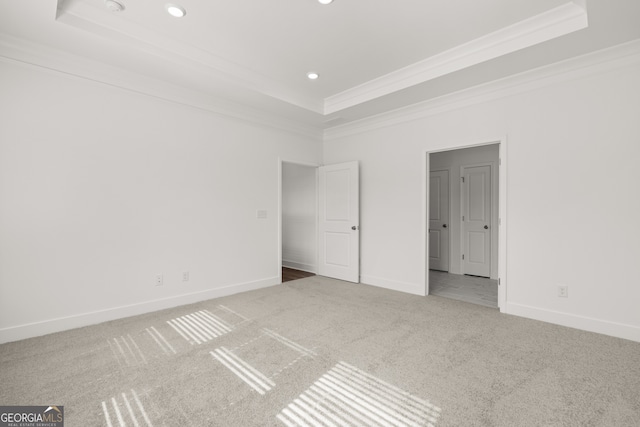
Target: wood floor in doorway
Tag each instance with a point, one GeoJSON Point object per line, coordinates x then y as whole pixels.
{"type": "Point", "coordinates": [289, 274]}
{"type": "Point", "coordinates": [476, 290]}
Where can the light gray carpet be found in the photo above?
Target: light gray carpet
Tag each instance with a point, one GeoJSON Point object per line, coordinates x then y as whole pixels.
{"type": "Point", "coordinates": [323, 352]}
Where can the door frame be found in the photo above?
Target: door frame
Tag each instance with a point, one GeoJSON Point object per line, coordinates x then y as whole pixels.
{"type": "Point", "coordinates": [315, 166]}
{"type": "Point", "coordinates": [502, 211]}
{"type": "Point", "coordinates": [493, 272]}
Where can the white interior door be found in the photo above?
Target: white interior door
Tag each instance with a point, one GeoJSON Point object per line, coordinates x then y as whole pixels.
{"type": "Point", "coordinates": [439, 220]}
{"type": "Point", "coordinates": [476, 220]}
{"type": "Point", "coordinates": [339, 222]}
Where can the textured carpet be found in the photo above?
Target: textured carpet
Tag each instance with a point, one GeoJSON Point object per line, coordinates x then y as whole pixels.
{"type": "Point", "coordinates": [322, 352]}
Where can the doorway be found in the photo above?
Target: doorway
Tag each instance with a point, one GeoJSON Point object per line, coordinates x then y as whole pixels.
{"type": "Point", "coordinates": [464, 209]}
{"type": "Point", "coordinates": [298, 215]}
{"type": "Point", "coordinates": [319, 229]}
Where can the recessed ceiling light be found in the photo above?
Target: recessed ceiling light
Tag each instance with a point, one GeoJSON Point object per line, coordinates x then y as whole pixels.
{"type": "Point", "coordinates": [324, 1]}
{"type": "Point", "coordinates": [114, 6]}
{"type": "Point", "coordinates": [175, 10]}
{"type": "Point", "coordinates": [313, 76]}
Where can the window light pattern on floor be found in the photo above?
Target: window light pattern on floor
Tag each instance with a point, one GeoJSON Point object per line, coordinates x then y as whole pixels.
{"type": "Point", "coordinates": [126, 351]}
{"type": "Point", "coordinates": [247, 373]}
{"type": "Point", "coordinates": [200, 327]}
{"type": "Point", "coordinates": [125, 410]}
{"type": "Point", "coordinates": [348, 396]}
{"type": "Point", "coordinates": [291, 344]}
{"type": "Point", "coordinates": [161, 341]}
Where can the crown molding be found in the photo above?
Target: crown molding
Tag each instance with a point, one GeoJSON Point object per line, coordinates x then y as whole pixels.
{"type": "Point", "coordinates": [26, 53]}
{"type": "Point", "coordinates": [554, 23]}
{"type": "Point", "coordinates": [92, 19]}
{"type": "Point", "coordinates": [601, 61]}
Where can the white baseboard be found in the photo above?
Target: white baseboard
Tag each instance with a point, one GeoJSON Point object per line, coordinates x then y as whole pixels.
{"type": "Point", "coordinates": [309, 268]}
{"type": "Point", "coordinates": [619, 330]}
{"type": "Point", "coordinates": [410, 288]}
{"type": "Point", "coordinates": [36, 329]}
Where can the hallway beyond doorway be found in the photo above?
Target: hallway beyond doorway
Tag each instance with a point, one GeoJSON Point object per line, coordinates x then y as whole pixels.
{"type": "Point", "coordinates": [472, 289]}
{"type": "Point", "coordinates": [289, 274]}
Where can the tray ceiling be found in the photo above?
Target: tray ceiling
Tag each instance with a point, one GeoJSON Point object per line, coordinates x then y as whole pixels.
{"type": "Point", "coordinates": [372, 55]}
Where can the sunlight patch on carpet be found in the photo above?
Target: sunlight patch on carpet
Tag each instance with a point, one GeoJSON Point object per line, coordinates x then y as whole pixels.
{"type": "Point", "coordinates": [348, 396]}
{"type": "Point", "coordinates": [125, 410]}
{"type": "Point", "coordinates": [126, 351]}
{"type": "Point", "coordinates": [161, 341]}
{"type": "Point", "coordinates": [200, 327]}
{"type": "Point", "coordinates": [247, 373]}
{"type": "Point", "coordinates": [292, 345]}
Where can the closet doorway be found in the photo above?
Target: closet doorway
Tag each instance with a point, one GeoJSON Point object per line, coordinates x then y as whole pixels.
{"type": "Point", "coordinates": [463, 224]}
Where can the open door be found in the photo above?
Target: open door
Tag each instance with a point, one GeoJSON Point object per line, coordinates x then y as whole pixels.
{"type": "Point", "coordinates": [339, 222]}
{"type": "Point", "coordinates": [439, 220]}
{"type": "Point", "coordinates": [476, 220]}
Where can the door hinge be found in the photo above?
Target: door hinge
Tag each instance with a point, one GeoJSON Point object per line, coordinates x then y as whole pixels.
{"type": "Point", "coordinates": [498, 281]}
{"type": "Point", "coordinates": [462, 256]}
{"type": "Point", "coordinates": [462, 178]}
{"type": "Point", "coordinates": [463, 217]}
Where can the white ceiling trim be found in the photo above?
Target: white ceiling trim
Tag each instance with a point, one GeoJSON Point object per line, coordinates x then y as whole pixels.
{"type": "Point", "coordinates": [602, 61]}
{"type": "Point", "coordinates": [554, 23]}
{"type": "Point", "coordinates": [110, 26]}
{"type": "Point", "coordinates": [21, 52]}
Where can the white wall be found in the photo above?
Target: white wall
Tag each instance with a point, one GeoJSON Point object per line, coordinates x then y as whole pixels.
{"type": "Point", "coordinates": [299, 209]}
{"type": "Point", "coordinates": [101, 189]}
{"type": "Point", "coordinates": [453, 161]}
{"type": "Point", "coordinates": [572, 197]}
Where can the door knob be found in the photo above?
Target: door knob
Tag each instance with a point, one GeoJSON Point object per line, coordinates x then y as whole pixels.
{"type": "Point", "coordinates": [444, 225]}
{"type": "Point", "coordinates": [486, 227]}
{"type": "Point", "coordinates": [355, 227]}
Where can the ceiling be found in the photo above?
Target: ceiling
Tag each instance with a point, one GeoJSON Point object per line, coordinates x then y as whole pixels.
{"type": "Point", "coordinates": [372, 55]}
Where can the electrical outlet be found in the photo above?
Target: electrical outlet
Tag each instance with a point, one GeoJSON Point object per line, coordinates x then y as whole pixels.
{"type": "Point", "coordinates": [563, 291]}
{"type": "Point", "coordinates": [185, 276]}
{"type": "Point", "coordinates": [158, 279]}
